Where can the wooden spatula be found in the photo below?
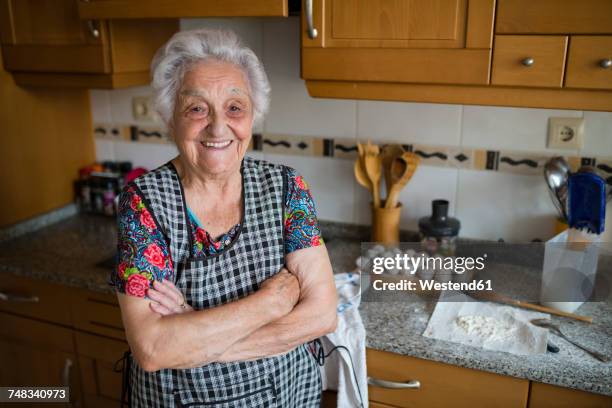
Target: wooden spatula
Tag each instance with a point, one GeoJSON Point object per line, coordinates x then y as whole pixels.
{"type": "Point", "coordinates": [373, 170]}
{"type": "Point", "coordinates": [388, 153]}
{"type": "Point", "coordinates": [402, 170]}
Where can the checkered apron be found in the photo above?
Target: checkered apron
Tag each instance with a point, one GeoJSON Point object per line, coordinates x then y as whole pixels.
{"type": "Point", "coordinates": [257, 253]}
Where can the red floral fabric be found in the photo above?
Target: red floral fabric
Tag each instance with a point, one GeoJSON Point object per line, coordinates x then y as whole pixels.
{"type": "Point", "coordinates": [143, 253]}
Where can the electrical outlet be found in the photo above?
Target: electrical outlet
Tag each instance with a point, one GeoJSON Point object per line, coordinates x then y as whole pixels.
{"type": "Point", "coordinates": [565, 133]}
{"type": "Point", "coordinates": [142, 108]}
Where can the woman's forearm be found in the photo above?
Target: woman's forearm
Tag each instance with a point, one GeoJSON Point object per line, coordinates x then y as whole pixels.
{"type": "Point", "coordinates": [309, 320]}
{"type": "Point", "coordinates": [197, 338]}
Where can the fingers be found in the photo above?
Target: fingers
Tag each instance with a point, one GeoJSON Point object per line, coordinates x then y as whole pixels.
{"type": "Point", "coordinates": [179, 295]}
{"type": "Point", "coordinates": [157, 308]}
{"type": "Point", "coordinates": [174, 289]}
{"type": "Point", "coordinates": [169, 290]}
{"type": "Point", "coordinates": [160, 295]}
{"type": "Point", "coordinates": [167, 299]}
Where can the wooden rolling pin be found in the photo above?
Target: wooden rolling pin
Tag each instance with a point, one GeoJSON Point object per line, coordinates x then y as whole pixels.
{"type": "Point", "coordinates": [497, 298]}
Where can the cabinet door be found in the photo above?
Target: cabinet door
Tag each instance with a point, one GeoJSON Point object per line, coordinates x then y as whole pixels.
{"type": "Point", "coordinates": [553, 17]}
{"type": "Point", "coordinates": [47, 36]}
{"type": "Point", "coordinates": [37, 354]}
{"type": "Point", "coordinates": [441, 385]}
{"type": "Point", "coordinates": [550, 396]}
{"type": "Point", "coordinates": [98, 358]}
{"type": "Point", "coordinates": [89, 9]}
{"type": "Point", "coordinates": [419, 41]}
{"type": "Point", "coordinates": [589, 63]}
{"type": "Point", "coordinates": [529, 60]}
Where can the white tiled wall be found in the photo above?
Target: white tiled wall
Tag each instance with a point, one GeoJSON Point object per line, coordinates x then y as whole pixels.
{"type": "Point", "coordinates": [490, 205]}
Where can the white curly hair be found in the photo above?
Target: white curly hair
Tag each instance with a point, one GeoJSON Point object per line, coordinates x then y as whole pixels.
{"type": "Point", "coordinates": [185, 48]}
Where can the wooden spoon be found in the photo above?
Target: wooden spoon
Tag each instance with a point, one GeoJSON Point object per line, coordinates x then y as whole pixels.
{"type": "Point", "coordinates": [402, 170]}
{"type": "Point", "coordinates": [373, 171]}
{"type": "Point", "coordinates": [361, 176]}
{"type": "Point", "coordinates": [390, 152]}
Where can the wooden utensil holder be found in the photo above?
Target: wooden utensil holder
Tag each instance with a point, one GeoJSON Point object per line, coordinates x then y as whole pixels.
{"type": "Point", "coordinates": [385, 224]}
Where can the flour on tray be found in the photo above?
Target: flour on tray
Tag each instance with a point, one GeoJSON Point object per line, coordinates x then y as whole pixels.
{"type": "Point", "coordinates": [487, 327]}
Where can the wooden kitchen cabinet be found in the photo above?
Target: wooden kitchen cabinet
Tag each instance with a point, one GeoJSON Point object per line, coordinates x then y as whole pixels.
{"type": "Point", "coordinates": [104, 9]}
{"type": "Point", "coordinates": [98, 358]}
{"type": "Point", "coordinates": [550, 396]}
{"type": "Point", "coordinates": [44, 43]}
{"type": "Point", "coordinates": [589, 62]}
{"type": "Point", "coordinates": [418, 41]}
{"type": "Point", "coordinates": [442, 51]}
{"type": "Point", "coordinates": [35, 298]}
{"type": "Point", "coordinates": [554, 17]}
{"type": "Point", "coordinates": [34, 353]}
{"type": "Point", "coordinates": [97, 313]}
{"type": "Point", "coordinates": [528, 60]}
{"type": "Point", "coordinates": [441, 385]}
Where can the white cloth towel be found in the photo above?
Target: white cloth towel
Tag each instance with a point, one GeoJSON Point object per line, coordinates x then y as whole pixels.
{"type": "Point", "coordinates": [337, 372]}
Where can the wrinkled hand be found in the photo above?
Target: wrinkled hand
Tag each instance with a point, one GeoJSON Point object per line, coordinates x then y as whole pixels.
{"type": "Point", "coordinates": [167, 299]}
{"type": "Point", "coordinates": [283, 289]}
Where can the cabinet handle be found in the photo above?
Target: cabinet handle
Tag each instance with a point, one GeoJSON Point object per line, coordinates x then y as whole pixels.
{"type": "Point", "coordinates": [66, 372]}
{"type": "Point", "coordinates": [392, 384]}
{"type": "Point", "coordinates": [528, 61]}
{"type": "Point", "coordinates": [312, 32]}
{"type": "Point", "coordinates": [66, 378]}
{"type": "Point", "coordinates": [8, 297]}
{"type": "Point", "coordinates": [605, 63]}
{"type": "Point", "coordinates": [93, 30]}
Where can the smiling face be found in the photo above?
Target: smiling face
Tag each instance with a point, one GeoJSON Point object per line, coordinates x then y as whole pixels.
{"type": "Point", "coordinates": [213, 118]}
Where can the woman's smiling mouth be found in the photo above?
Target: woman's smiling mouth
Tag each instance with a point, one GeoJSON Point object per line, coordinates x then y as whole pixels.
{"type": "Point", "coordinates": [217, 145]}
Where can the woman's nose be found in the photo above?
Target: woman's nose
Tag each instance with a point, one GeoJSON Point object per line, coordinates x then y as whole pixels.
{"type": "Point", "coordinates": [217, 127]}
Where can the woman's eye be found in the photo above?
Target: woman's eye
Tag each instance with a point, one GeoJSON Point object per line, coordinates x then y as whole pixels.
{"type": "Point", "coordinates": [235, 109]}
{"type": "Point", "coordinates": [197, 110]}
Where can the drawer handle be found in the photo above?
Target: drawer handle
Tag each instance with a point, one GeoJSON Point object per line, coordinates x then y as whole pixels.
{"type": "Point", "coordinates": [312, 32]}
{"type": "Point", "coordinates": [528, 61]}
{"type": "Point", "coordinates": [392, 384]}
{"type": "Point", "coordinates": [605, 63]}
{"type": "Point", "coordinates": [93, 30]}
{"type": "Point", "coordinates": [66, 372]}
{"type": "Point", "coordinates": [8, 297]}
{"type": "Point", "coordinates": [66, 378]}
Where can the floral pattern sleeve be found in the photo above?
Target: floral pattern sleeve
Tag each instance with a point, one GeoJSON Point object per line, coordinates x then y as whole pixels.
{"type": "Point", "coordinates": [301, 224]}
{"type": "Point", "coordinates": [142, 251]}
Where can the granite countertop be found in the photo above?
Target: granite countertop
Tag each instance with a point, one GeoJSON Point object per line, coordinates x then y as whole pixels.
{"type": "Point", "coordinates": [67, 253]}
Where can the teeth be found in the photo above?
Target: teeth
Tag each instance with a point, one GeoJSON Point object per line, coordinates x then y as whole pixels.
{"type": "Point", "coordinates": [217, 144]}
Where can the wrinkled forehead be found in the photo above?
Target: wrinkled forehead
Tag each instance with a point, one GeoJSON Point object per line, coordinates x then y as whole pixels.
{"type": "Point", "coordinates": [202, 92]}
{"type": "Point", "coordinates": [206, 78]}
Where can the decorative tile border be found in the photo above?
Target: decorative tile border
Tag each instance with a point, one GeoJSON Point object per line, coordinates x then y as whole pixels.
{"type": "Point", "coordinates": [111, 131]}
{"type": "Point", "coordinates": [505, 161]}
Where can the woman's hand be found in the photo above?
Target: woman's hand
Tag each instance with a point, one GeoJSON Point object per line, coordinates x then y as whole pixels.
{"type": "Point", "coordinates": [284, 290]}
{"type": "Point", "coordinates": [167, 299]}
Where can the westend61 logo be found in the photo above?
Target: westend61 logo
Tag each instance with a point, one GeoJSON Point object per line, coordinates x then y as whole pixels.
{"type": "Point", "coordinates": [439, 270]}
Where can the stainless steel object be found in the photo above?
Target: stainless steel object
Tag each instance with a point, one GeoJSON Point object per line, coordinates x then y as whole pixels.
{"type": "Point", "coordinates": [375, 382]}
{"type": "Point", "coordinates": [66, 370]}
{"type": "Point", "coordinates": [606, 63]}
{"type": "Point", "coordinates": [9, 297]}
{"type": "Point", "coordinates": [529, 61]}
{"type": "Point", "coordinates": [93, 30]}
{"type": "Point", "coordinates": [312, 31]}
{"type": "Point", "coordinates": [556, 173]}
{"type": "Point", "coordinates": [555, 329]}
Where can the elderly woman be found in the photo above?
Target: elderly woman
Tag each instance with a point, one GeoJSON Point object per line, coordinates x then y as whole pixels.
{"type": "Point", "coordinates": [222, 275]}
